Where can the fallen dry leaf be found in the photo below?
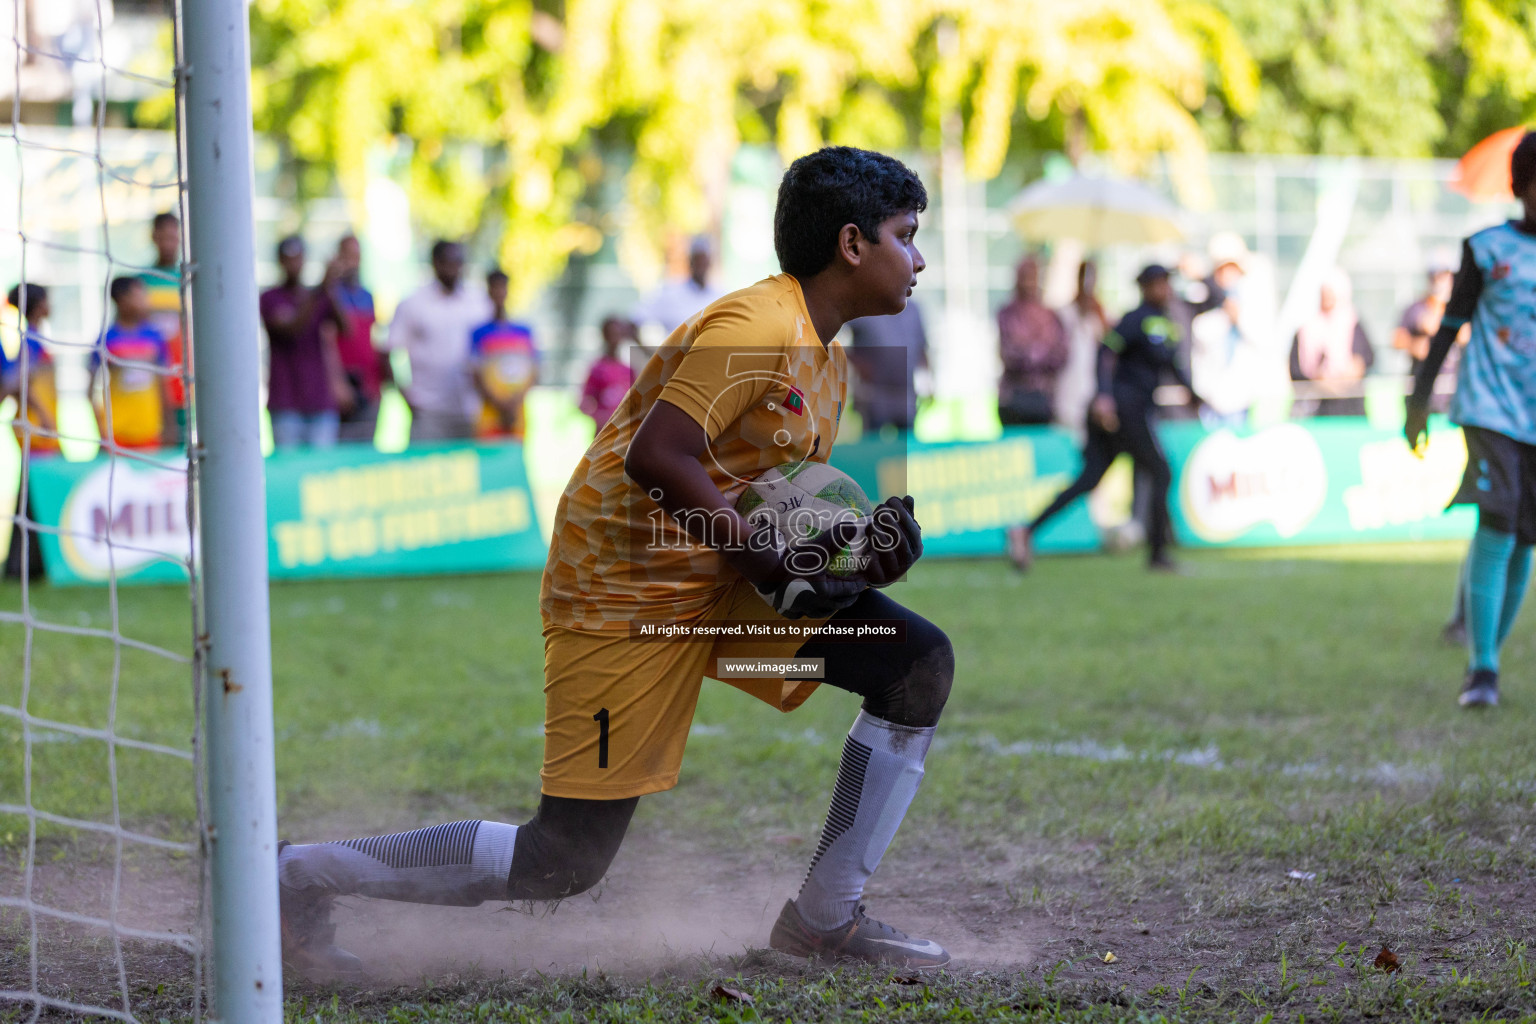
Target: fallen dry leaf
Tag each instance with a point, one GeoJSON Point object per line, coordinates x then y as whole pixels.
{"type": "Point", "coordinates": [1110, 958]}
{"type": "Point", "coordinates": [1387, 960]}
{"type": "Point", "coordinates": [731, 995]}
{"type": "Point", "coordinates": [910, 979]}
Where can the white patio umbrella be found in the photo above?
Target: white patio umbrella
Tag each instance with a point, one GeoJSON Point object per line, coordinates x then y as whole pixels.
{"type": "Point", "coordinates": [1096, 212]}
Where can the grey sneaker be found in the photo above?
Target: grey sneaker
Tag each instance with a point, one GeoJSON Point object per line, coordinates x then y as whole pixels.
{"type": "Point", "coordinates": [309, 946]}
{"type": "Point", "coordinates": [1481, 690]}
{"type": "Point", "coordinates": [863, 938]}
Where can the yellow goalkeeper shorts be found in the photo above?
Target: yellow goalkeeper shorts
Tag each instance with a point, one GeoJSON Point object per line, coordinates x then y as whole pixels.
{"type": "Point", "coordinates": [617, 710]}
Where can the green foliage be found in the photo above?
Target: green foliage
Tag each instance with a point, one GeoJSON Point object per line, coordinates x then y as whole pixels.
{"type": "Point", "coordinates": [1337, 77]}
{"type": "Point", "coordinates": [1489, 82]}
{"type": "Point", "coordinates": [517, 116]}
{"type": "Point", "coordinates": [1379, 77]}
{"type": "Point", "coordinates": [553, 125]}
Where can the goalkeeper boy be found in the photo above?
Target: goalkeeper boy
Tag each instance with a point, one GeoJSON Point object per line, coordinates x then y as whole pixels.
{"type": "Point", "coordinates": [1495, 405]}
{"type": "Point", "coordinates": [646, 531]}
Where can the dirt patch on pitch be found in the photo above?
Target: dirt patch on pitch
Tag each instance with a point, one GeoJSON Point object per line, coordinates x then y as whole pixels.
{"type": "Point", "coordinates": [56, 943]}
{"type": "Point", "coordinates": [660, 907]}
{"type": "Point", "coordinates": [669, 907]}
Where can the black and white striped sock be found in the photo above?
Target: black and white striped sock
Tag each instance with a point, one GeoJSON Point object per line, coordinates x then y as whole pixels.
{"type": "Point", "coordinates": [882, 767]}
{"type": "Point", "coordinates": [460, 864]}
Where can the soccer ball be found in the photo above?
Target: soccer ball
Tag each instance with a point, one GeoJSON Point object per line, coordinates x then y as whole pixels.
{"type": "Point", "coordinates": [804, 499]}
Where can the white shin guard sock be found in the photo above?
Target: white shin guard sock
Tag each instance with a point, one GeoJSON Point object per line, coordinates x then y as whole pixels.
{"type": "Point", "coordinates": [461, 864]}
{"type": "Point", "coordinates": [882, 767]}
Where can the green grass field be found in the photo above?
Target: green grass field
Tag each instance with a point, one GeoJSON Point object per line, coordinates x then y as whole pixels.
{"type": "Point", "coordinates": [1130, 764]}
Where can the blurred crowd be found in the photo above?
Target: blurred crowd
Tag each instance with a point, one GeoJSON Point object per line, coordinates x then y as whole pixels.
{"type": "Point", "coordinates": [465, 367]}
{"type": "Point", "coordinates": [1048, 355]}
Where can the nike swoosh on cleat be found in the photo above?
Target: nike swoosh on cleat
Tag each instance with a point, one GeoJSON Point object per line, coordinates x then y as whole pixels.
{"type": "Point", "coordinates": [926, 946]}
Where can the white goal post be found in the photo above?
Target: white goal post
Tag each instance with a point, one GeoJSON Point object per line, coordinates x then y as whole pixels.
{"type": "Point", "coordinates": [240, 837]}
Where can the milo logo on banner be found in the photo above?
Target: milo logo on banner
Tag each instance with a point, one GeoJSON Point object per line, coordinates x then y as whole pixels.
{"type": "Point", "coordinates": [1232, 484]}
{"type": "Point", "coordinates": [122, 518]}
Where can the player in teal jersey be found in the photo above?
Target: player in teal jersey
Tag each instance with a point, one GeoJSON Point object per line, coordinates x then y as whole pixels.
{"type": "Point", "coordinates": [1495, 404]}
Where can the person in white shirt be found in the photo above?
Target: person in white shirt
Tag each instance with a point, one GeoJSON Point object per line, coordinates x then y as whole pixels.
{"type": "Point", "coordinates": [433, 325]}
{"type": "Point", "coordinates": [677, 300]}
{"type": "Point", "coordinates": [1225, 364]}
{"type": "Point", "coordinates": [1085, 323]}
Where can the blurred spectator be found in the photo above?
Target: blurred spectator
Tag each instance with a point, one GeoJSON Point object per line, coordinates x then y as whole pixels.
{"type": "Point", "coordinates": [677, 300]}
{"type": "Point", "coordinates": [1333, 352]}
{"type": "Point", "coordinates": [306, 389]}
{"type": "Point", "coordinates": [1229, 266]}
{"type": "Point", "coordinates": [887, 352]}
{"type": "Point", "coordinates": [1225, 364]}
{"type": "Point", "coordinates": [1197, 291]}
{"type": "Point", "coordinates": [134, 359]}
{"type": "Point", "coordinates": [163, 283]}
{"type": "Point", "coordinates": [610, 377]}
{"type": "Point", "coordinates": [433, 325]}
{"type": "Point", "coordinates": [37, 363]}
{"type": "Point", "coordinates": [1418, 325]}
{"type": "Point", "coordinates": [1033, 346]}
{"type": "Point", "coordinates": [29, 379]}
{"type": "Point", "coordinates": [1085, 322]}
{"type": "Point", "coordinates": [1134, 358]}
{"type": "Point", "coordinates": [365, 367]}
{"type": "Point", "coordinates": [504, 365]}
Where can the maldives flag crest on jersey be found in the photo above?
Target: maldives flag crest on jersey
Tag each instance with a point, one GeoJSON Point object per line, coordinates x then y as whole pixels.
{"type": "Point", "coordinates": [795, 401]}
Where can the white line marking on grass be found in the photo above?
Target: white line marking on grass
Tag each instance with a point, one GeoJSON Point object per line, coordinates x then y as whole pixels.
{"type": "Point", "coordinates": [1383, 773]}
{"type": "Point", "coordinates": [1092, 750]}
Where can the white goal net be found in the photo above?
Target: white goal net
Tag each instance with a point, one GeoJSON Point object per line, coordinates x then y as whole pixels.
{"type": "Point", "coordinates": [101, 864]}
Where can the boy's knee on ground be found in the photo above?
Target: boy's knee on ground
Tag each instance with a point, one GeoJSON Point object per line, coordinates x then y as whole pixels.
{"type": "Point", "coordinates": [567, 847]}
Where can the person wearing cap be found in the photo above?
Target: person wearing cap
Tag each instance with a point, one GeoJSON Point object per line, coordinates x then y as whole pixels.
{"type": "Point", "coordinates": [1133, 360]}
{"type": "Point", "coordinates": [677, 300]}
{"type": "Point", "coordinates": [1495, 405]}
{"type": "Point", "coordinates": [1224, 362]}
{"type": "Point", "coordinates": [1199, 286]}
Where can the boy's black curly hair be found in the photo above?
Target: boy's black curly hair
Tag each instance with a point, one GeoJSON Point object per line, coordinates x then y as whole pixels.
{"type": "Point", "coordinates": [36, 295]}
{"type": "Point", "coordinates": [1522, 165]}
{"type": "Point", "coordinates": [834, 186]}
{"type": "Point", "coordinates": [121, 286]}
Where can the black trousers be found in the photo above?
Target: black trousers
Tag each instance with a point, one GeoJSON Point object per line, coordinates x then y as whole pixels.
{"type": "Point", "coordinates": [567, 846]}
{"type": "Point", "coordinates": [20, 539]}
{"type": "Point", "coordinates": [1137, 439]}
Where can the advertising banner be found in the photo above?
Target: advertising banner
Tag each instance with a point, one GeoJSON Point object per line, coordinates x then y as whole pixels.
{"type": "Point", "coordinates": [353, 511]}
{"type": "Point", "coordinates": [967, 492]}
{"type": "Point", "coordinates": [349, 511]}
{"type": "Point", "coordinates": [1321, 481]}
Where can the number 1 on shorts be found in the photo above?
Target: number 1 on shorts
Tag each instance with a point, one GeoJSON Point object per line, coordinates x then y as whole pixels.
{"type": "Point", "coordinates": [601, 718]}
